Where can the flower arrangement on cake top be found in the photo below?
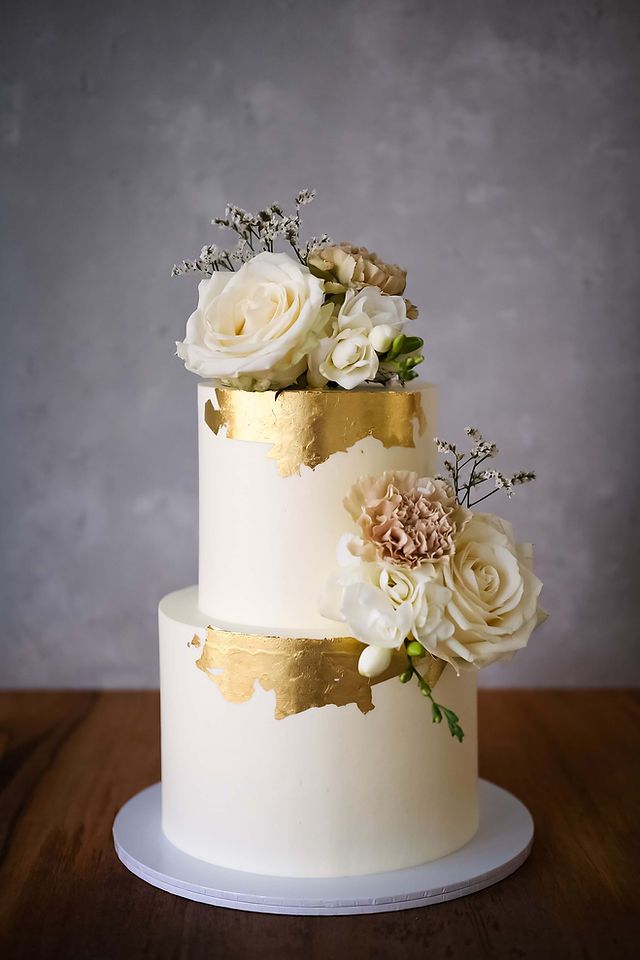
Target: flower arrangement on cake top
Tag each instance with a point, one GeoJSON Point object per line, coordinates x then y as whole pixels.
{"type": "Point", "coordinates": [329, 315]}
{"type": "Point", "coordinates": [427, 573]}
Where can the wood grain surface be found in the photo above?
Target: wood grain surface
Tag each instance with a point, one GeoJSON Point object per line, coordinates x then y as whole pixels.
{"type": "Point", "coordinates": [70, 760]}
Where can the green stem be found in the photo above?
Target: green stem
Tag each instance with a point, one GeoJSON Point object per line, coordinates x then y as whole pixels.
{"type": "Point", "coordinates": [456, 477]}
{"type": "Point", "coordinates": [438, 709]}
{"type": "Point", "coordinates": [482, 498]}
{"type": "Point", "coordinates": [472, 474]}
{"type": "Point", "coordinates": [297, 252]}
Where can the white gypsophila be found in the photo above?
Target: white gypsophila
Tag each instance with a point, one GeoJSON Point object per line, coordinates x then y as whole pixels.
{"type": "Point", "coordinates": [367, 324]}
{"type": "Point", "coordinates": [494, 594]}
{"type": "Point", "coordinates": [254, 328]}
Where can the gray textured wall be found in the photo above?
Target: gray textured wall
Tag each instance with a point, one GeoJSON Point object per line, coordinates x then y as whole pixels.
{"type": "Point", "coordinates": [492, 148]}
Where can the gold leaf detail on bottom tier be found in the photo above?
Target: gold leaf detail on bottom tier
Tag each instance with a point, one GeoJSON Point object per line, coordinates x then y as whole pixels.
{"type": "Point", "coordinates": [302, 673]}
{"type": "Point", "coordinates": [308, 426]}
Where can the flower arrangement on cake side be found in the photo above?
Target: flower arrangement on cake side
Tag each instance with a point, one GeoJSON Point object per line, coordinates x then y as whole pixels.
{"type": "Point", "coordinates": [421, 572]}
{"type": "Point", "coordinates": [330, 315]}
{"type": "Point", "coordinates": [426, 572]}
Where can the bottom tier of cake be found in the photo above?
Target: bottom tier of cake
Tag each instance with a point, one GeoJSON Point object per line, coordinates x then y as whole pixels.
{"type": "Point", "coordinates": [330, 791]}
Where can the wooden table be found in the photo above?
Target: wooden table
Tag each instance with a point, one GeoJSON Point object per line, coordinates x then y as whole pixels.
{"type": "Point", "coordinates": [70, 760]}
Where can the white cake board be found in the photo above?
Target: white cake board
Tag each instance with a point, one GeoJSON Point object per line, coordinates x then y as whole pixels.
{"type": "Point", "coordinates": [500, 846]}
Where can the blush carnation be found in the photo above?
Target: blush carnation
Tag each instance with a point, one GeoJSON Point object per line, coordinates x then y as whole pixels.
{"type": "Point", "coordinates": [407, 519]}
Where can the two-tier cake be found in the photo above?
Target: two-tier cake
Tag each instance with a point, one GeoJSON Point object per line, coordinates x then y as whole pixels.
{"type": "Point", "coordinates": [318, 686]}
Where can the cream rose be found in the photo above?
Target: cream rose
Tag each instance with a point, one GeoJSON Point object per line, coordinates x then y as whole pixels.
{"type": "Point", "coordinates": [254, 328]}
{"type": "Point", "coordinates": [494, 602]}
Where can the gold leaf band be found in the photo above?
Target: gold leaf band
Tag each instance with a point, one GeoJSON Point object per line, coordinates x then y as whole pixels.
{"type": "Point", "coordinates": [302, 673]}
{"type": "Point", "coordinates": [308, 426]}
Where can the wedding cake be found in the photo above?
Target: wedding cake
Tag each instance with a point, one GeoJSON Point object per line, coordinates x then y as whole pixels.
{"type": "Point", "coordinates": [347, 592]}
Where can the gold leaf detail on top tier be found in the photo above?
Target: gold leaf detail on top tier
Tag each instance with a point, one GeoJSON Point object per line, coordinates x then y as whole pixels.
{"type": "Point", "coordinates": [308, 426]}
{"type": "Point", "coordinates": [302, 673]}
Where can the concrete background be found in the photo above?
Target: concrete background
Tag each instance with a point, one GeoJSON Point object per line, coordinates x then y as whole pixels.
{"type": "Point", "coordinates": [492, 148]}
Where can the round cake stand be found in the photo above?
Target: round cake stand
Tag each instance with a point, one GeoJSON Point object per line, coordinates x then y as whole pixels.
{"type": "Point", "coordinates": [500, 846]}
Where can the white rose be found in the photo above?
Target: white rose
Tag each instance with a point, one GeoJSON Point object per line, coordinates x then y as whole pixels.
{"type": "Point", "coordinates": [254, 327]}
{"type": "Point", "coordinates": [348, 358]}
{"type": "Point", "coordinates": [494, 603]}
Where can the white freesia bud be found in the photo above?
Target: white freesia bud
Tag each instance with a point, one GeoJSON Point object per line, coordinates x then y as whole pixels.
{"type": "Point", "coordinates": [381, 337]}
{"type": "Point", "coordinates": [374, 661]}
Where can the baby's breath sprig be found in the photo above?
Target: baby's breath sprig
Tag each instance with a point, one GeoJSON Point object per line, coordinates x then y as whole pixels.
{"type": "Point", "coordinates": [465, 485]}
{"type": "Point", "coordinates": [257, 233]}
{"type": "Point", "coordinates": [316, 242]}
{"type": "Point", "coordinates": [415, 650]}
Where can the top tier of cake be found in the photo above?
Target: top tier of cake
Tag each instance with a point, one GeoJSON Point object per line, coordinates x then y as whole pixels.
{"type": "Point", "coordinates": [274, 471]}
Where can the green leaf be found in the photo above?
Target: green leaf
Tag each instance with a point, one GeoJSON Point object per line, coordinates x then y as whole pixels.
{"type": "Point", "coordinates": [396, 348]}
{"type": "Point", "coordinates": [456, 731]}
{"type": "Point", "coordinates": [408, 363]}
{"type": "Point", "coordinates": [453, 723]}
{"type": "Point", "coordinates": [411, 344]}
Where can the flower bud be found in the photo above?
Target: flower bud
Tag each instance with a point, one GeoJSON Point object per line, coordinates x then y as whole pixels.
{"type": "Point", "coordinates": [415, 649]}
{"type": "Point", "coordinates": [374, 661]}
{"type": "Point", "coordinates": [381, 337]}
